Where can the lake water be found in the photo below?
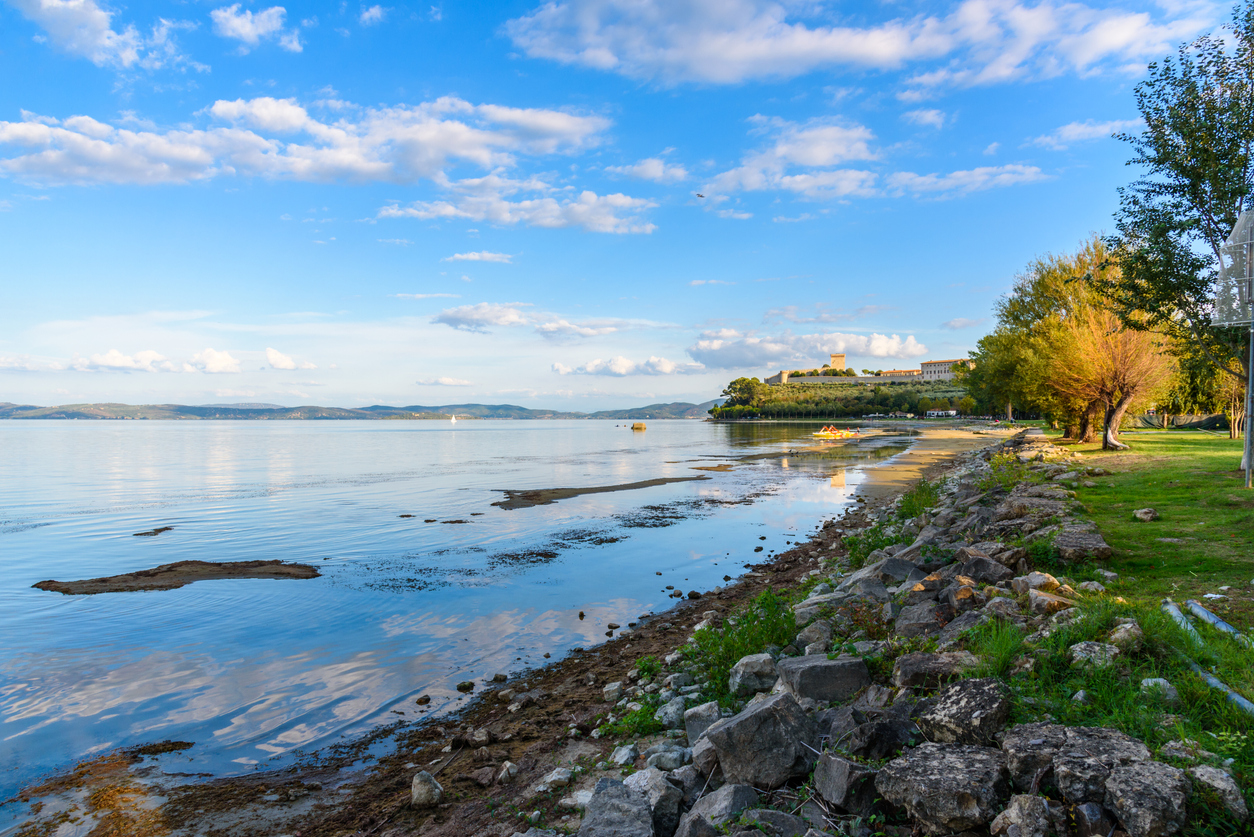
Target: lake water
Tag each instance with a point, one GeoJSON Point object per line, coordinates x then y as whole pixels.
{"type": "Point", "coordinates": [253, 671]}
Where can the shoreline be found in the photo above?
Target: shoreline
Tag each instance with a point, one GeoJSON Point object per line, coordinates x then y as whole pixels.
{"type": "Point", "coordinates": [535, 736]}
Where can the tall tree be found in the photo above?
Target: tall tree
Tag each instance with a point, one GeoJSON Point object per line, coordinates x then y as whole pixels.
{"type": "Point", "coordinates": [1195, 154]}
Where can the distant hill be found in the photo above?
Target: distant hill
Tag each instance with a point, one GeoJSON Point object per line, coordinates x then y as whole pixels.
{"type": "Point", "coordinates": [274, 412]}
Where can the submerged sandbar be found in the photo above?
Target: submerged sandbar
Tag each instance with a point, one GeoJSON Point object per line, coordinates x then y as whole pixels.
{"type": "Point", "coordinates": [178, 574]}
{"type": "Point", "coordinates": [526, 498]}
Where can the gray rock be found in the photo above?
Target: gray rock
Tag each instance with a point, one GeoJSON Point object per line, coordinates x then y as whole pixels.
{"type": "Point", "coordinates": [947, 787]}
{"type": "Point", "coordinates": [752, 674]}
{"type": "Point", "coordinates": [1222, 785]}
{"type": "Point", "coordinates": [967, 712]}
{"type": "Point", "coordinates": [1043, 604]}
{"type": "Point", "coordinates": [950, 634]}
{"type": "Point", "coordinates": [766, 744]}
{"type": "Point", "coordinates": [1003, 608]}
{"type": "Point", "coordinates": [1044, 582]}
{"type": "Point", "coordinates": [1030, 750]}
{"type": "Point", "coordinates": [823, 680]}
{"type": "Point", "coordinates": [559, 777]}
{"type": "Point", "coordinates": [425, 792]}
{"type": "Point", "coordinates": [838, 722]}
{"type": "Point", "coordinates": [725, 804]}
{"type": "Point", "coordinates": [818, 631]}
{"type": "Point", "coordinates": [846, 784]}
{"type": "Point", "coordinates": [699, 718]}
{"type": "Point", "coordinates": [705, 756]}
{"type": "Point", "coordinates": [616, 810]}
{"type": "Point", "coordinates": [1025, 816]}
{"type": "Point", "coordinates": [1127, 637]}
{"type": "Point", "coordinates": [920, 669]}
{"type": "Point", "coordinates": [1145, 515]}
{"type": "Point", "coordinates": [1148, 798]}
{"type": "Point", "coordinates": [1078, 544]}
{"type": "Point", "coordinates": [879, 739]}
{"type": "Point", "coordinates": [612, 692]}
{"type": "Point", "coordinates": [1086, 759]}
{"type": "Point", "coordinates": [918, 619]}
{"type": "Point", "coordinates": [669, 759]}
{"type": "Point", "coordinates": [664, 799]}
{"type": "Point", "coordinates": [1096, 654]}
{"type": "Point", "coordinates": [1091, 820]}
{"type": "Point", "coordinates": [690, 782]}
{"type": "Point", "coordinates": [775, 823]}
{"type": "Point", "coordinates": [1159, 687]}
{"type": "Point", "coordinates": [985, 570]}
{"type": "Point", "coordinates": [624, 755]}
{"type": "Point", "coordinates": [671, 714]}
{"type": "Point", "coordinates": [691, 825]}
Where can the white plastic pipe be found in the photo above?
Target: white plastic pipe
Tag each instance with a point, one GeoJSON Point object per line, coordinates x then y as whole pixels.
{"type": "Point", "coordinates": [1173, 610]}
{"type": "Point", "coordinates": [1206, 616]}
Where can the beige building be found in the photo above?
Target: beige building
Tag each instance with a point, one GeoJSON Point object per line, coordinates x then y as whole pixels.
{"type": "Point", "coordinates": [940, 370]}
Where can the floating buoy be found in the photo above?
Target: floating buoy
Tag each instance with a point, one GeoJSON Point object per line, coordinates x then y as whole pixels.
{"type": "Point", "coordinates": [638, 426]}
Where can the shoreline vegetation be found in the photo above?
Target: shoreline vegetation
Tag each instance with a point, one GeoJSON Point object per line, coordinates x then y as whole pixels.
{"type": "Point", "coordinates": [975, 630]}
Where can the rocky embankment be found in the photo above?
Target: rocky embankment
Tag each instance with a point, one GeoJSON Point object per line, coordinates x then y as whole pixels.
{"type": "Point", "coordinates": [847, 728]}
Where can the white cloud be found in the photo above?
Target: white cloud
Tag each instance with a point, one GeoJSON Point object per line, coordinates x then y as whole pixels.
{"type": "Point", "coordinates": [652, 168]}
{"type": "Point", "coordinates": [925, 117]}
{"type": "Point", "coordinates": [481, 256]}
{"type": "Point", "coordinates": [486, 199]}
{"type": "Point", "coordinates": [427, 296]}
{"type": "Point", "coordinates": [565, 328]}
{"type": "Point", "coordinates": [373, 15]}
{"type": "Point", "coordinates": [820, 312]}
{"type": "Point", "coordinates": [278, 360]}
{"type": "Point", "coordinates": [82, 28]}
{"type": "Point", "coordinates": [815, 146]}
{"type": "Point", "coordinates": [730, 349]}
{"type": "Point", "coordinates": [213, 362]}
{"type": "Point", "coordinates": [991, 149]}
{"type": "Point", "coordinates": [958, 323]}
{"type": "Point", "coordinates": [699, 282]}
{"type": "Point", "coordinates": [979, 41]}
{"type": "Point", "coordinates": [400, 242]}
{"type": "Point", "coordinates": [962, 182]}
{"type": "Point", "coordinates": [480, 316]}
{"type": "Point", "coordinates": [251, 29]}
{"type": "Point", "coordinates": [443, 382]}
{"type": "Point", "coordinates": [1074, 132]}
{"type": "Point", "coordinates": [115, 361]}
{"type": "Point", "coordinates": [621, 367]}
{"type": "Point", "coordinates": [279, 139]}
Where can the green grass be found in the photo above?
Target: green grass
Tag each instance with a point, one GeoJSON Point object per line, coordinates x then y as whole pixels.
{"type": "Point", "coordinates": [636, 723]}
{"type": "Point", "coordinates": [1193, 481]}
{"type": "Point", "coordinates": [1115, 699]}
{"type": "Point", "coordinates": [859, 546]}
{"type": "Point", "coordinates": [767, 620]}
{"type": "Point", "coordinates": [918, 499]}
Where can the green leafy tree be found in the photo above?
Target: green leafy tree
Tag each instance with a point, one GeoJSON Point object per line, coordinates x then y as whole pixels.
{"type": "Point", "coordinates": [967, 406]}
{"type": "Point", "coordinates": [1195, 152]}
{"type": "Point", "coordinates": [746, 392]}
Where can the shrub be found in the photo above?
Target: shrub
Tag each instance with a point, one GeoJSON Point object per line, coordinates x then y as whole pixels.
{"type": "Point", "coordinates": [768, 620]}
{"type": "Point", "coordinates": [648, 666]}
{"type": "Point", "coordinates": [1007, 472]}
{"type": "Point", "coordinates": [636, 723]}
{"type": "Point", "coordinates": [858, 547]}
{"type": "Point", "coordinates": [918, 499]}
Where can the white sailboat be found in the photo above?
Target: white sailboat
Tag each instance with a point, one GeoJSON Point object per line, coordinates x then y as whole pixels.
{"type": "Point", "coordinates": [452, 419]}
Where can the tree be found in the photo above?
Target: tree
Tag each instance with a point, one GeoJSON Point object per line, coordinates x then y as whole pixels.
{"type": "Point", "coordinates": [1096, 360]}
{"type": "Point", "coordinates": [1196, 152]}
{"type": "Point", "coordinates": [746, 392]}
{"type": "Point", "coordinates": [967, 405]}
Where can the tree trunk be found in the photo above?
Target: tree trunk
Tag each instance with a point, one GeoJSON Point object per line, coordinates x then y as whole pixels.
{"type": "Point", "coordinates": [1071, 431]}
{"type": "Point", "coordinates": [1088, 424]}
{"type": "Point", "coordinates": [1010, 411]}
{"type": "Point", "coordinates": [1114, 417]}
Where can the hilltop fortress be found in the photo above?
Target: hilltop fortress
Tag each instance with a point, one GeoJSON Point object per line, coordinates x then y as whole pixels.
{"type": "Point", "coordinates": [835, 373]}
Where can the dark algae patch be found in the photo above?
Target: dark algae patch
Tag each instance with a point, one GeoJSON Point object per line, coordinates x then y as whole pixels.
{"type": "Point", "coordinates": [176, 575]}
{"type": "Point", "coordinates": [152, 533]}
{"type": "Point", "coordinates": [525, 499]}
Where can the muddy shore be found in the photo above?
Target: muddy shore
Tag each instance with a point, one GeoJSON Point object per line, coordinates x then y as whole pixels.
{"type": "Point", "coordinates": [176, 575]}
{"type": "Point", "coordinates": [347, 791]}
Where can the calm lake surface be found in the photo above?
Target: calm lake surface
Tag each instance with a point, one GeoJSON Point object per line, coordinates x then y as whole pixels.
{"type": "Point", "coordinates": [255, 671]}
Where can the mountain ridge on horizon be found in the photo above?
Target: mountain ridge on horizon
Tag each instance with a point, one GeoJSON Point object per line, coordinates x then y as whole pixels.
{"type": "Point", "coordinates": [258, 412]}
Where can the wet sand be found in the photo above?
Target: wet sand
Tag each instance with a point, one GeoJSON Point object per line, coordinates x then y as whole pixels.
{"type": "Point", "coordinates": [932, 446]}
{"type": "Point", "coordinates": [174, 576]}
{"type": "Point", "coordinates": [525, 499]}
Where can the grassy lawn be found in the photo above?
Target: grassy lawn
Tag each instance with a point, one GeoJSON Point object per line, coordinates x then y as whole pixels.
{"type": "Point", "coordinates": [1204, 538]}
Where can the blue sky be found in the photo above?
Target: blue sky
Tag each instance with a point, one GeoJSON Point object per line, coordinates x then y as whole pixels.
{"type": "Point", "coordinates": [581, 204]}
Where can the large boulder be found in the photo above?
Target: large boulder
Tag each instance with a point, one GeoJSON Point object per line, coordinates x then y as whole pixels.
{"type": "Point", "coordinates": [1078, 543]}
{"type": "Point", "coordinates": [774, 823]}
{"type": "Point", "coordinates": [752, 674]}
{"type": "Point", "coordinates": [1077, 760]}
{"type": "Point", "coordinates": [920, 619]}
{"type": "Point", "coordinates": [1148, 798]}
{"type": "Point", "coordinates": [671, 714]}
{"type": "Point", "coordinates": [616, 810]}
{"type": "Point", "coordinates": [766, 744]}
{"type": "Point", "coordinates": [924, 670]}
{"type": "Point", "coordinates": [985, 570]}
{"type": "Point", "coordinates": [700, 718]}
{"type": "Point", "coordinates": [1028, 816]}
{"type": "Point", "coordinates": [663, 797]}
{"type": "Point", "coordinates": [967, 712]}
{"type": "Point", "coordinates": [950, 634]}
{"type": "Point", "coordinates": [846, 784]}
{"type": "Point", "coordinates": [880, 739]}
{"type": "Point", "coordinates": [818, 678]}
{"type": "Point", "coordinates": [425, 791]}
{"type": "Point", "coordinates": [725, 804]}
{"type": "Point", "coordinates": [947, 787]}
{"type": "Point", "coordinates": [1222, 785]}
